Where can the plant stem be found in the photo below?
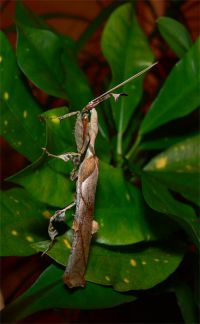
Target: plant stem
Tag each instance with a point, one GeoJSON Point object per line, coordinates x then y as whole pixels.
{"type": "Point", "coordinates": [134, 147]}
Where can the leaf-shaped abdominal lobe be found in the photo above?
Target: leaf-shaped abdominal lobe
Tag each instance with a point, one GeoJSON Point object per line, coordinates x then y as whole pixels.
{"type": "Point", "coordinates": [82, 226]}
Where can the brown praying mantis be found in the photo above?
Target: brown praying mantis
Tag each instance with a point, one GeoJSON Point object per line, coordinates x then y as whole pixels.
{"type": "Point", "coordinates": [85, 171]}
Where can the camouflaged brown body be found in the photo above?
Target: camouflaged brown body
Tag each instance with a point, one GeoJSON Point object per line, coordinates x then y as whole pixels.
{"type": "Point", "coordinates": [82, 226]}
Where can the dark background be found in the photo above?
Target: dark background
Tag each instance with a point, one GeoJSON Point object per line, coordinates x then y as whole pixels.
{"type": "Point", "coordinates": [72, 18]}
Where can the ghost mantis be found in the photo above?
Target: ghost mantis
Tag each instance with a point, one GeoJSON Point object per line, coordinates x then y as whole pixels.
{"type": "Point", "coordinates": [85, 171]}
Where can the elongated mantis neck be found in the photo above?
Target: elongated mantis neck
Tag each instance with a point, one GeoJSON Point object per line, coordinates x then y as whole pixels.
{"type": "Point", "coordinates": [93, 103]}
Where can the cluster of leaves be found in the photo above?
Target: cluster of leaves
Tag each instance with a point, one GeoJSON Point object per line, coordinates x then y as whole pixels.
{"type": "Point", "coordinates": [144, 232]}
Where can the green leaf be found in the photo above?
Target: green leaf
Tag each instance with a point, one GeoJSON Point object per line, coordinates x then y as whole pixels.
{"type": "Point", "coordinates": [48, 61]}
{"type": "Point", "coordinates": [47, 179]}
{"type": "Point", "coordinates": [19, 122]}
{"type": "Point", "coordinates": [28, 18]}
{"type": "Point", "coordinates": [121, 212]}
{"type": "Point", "coordinates": [126, 48]}
{"type": "Point", "coordinates": [124, 219]}
{"type": "Point", "coordinates": [175, 34]}
{"type": "Point", "coordinates": [23, 221]}
{"type": "Point", "coordinates": [127, 268]}
{"type": "Point", "coordinates": [49, 291]}
{"type": "Point", "coordinates": [179, 168]}
{"type": "Point", "coordinates": [159, 198]}
{"type": "Point", "coordinates": [47, 182]}
{"type": "Point", "coordinates": [186, 302]}
{"type": "Point", "coordinates": [59, 133]}
{"type": "Point", "coordinates": [179, 95]}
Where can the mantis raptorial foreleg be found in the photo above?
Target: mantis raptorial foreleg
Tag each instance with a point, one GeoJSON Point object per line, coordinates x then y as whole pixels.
{"type": "Point", "coordinates": [68, 156]}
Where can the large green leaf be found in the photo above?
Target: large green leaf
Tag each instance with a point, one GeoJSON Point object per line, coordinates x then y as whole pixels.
{"type": "Point", "coordinates": [127, 268]}
{"type": "Point", "coordinates": [179, 95]}
{"type": "Point", "coordinates": [179, 168]}
{"type": "Point", "coordinates": [59, 134]}
{"type": "Point", "coordinates": [48, 61]}
{"type": "Point", "coordinates": [119, 208]}
{"type": "Point", "coordinates": [47, 182]}
{"type": "Point", "coordinates": [49, 291]}
{"type": "Point", "coordinates": [175, 34]}
{"type": "Point", "coordinates": [47, 179]}
{"type": "Point", "coordinates": [121, 212]}
{"type": "Point", "coordinates": [126, 48]}
{"type": "Point", "coordinates": [159, 198]}
{"type": "Point", "coordinates": [23, 221]}
{"type": "Point", "coordinates": [19, 112]}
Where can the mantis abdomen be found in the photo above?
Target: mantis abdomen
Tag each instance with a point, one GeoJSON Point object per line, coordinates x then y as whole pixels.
{"type": "Point", "coordinates": [83, 225]}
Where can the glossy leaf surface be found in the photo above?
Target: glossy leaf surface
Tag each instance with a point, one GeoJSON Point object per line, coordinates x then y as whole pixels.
{"type": "Point", "coordinates": [159, 198]}
{"type": "Point", "coordinates": [121, 212]}
{"type": "Point", "coordinates": [126, 48]}
{"type": "Point", "coordinates": [19, 121]}
{"type": "Point", "coordinates": [179, 168]}
{"type": "Point", "coordinates": [23, 221]}
{"type": "Point", "coordinates": [175, 34]}
{"type": "Point", "coordinates": [179, 95]}
{"type": "Point", "coordinates": [47, 60]}
{"type": "Point", "coordinates": [49, 291]}
{"type": "Point", "coordinates": [47, 179]}
{"type": "Point", "coordinates": [128, 268]}
{"type": "Point", "coordinates": [124, 219]}
{"type": "Point", "coordinates": [47, 182]}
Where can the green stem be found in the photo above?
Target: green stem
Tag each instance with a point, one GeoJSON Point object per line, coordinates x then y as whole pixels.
{"type": "Point", "coordinates": [119, 144]}
{"type": "Point", "coordinates": [133, 149]}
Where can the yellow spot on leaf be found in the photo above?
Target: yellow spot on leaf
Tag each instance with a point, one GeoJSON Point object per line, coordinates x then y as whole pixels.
{"type": "Point", "coordinates": [1, 59]}
{"type": "Point", "coordinates": [188, 167]}
{"type": "Point", "coordinates": [16, 201]}
{"type": "Point", "coordinates": [14, 232]}
{"type": "Point", "coordinates": [133, 262]}
{"type": "Point", "coordinates": [107, 278]}
{"type": "Point", "coordinates": [19, 143]}
{"type": "Point", "coordinates": [25, 114]}
{"type": "Point", "coordinates": [29, 238]}
{"type": "Point", "coordinates": [161, 163]}
{"type": "Point", "coordinates": [126, 280]}
{"type": "Point", "coordinates": [68, 245]}
{"type": "Point", "coordinates": [127, 196]}
{"type": "Point", "coordinates": [55, 120]}
{"type": "Point", "coordinates": [144, 262]}
{"type": "Point", "coordinates": [17, 212]}
{"type": "Point", "coordinates": [6, 95]}
{"type": "Point", "coordinates": [46, 214]}
{"type": "Point", "coordinates": [5, 122]}
{"type": "Point", "coordinates": [156, 260]}
{"type": "Point", "coordinates": [165, 261]}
